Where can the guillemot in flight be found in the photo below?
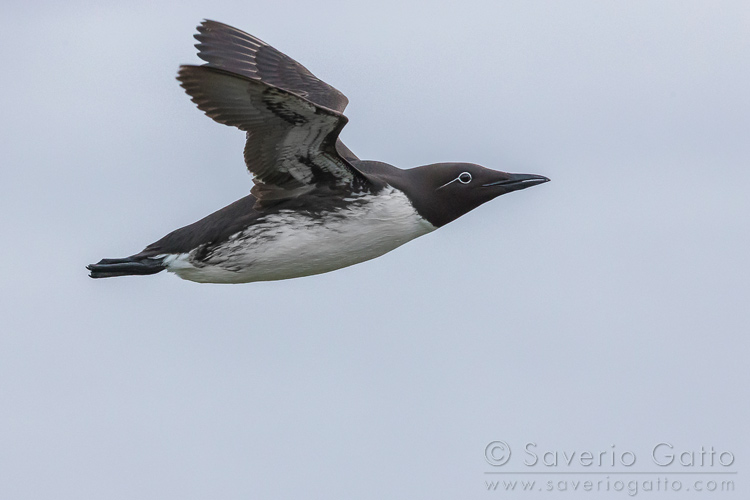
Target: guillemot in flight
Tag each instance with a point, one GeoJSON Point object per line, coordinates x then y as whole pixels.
{"type": "Point", "coordinates": [315, 206]}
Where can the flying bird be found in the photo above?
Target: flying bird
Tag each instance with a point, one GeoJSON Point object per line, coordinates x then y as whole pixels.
{"type": "Point", "coordinates": [315, 206]}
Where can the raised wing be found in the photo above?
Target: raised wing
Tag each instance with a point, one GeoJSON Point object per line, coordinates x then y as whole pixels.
{"type": "Point", "coordinates": [225, 47]}
{"type": "Point", "coordinates": [291, 145]}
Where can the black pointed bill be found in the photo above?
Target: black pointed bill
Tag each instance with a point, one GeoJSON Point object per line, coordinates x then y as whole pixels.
{"type": "Point", "coordinates": [514, 182]}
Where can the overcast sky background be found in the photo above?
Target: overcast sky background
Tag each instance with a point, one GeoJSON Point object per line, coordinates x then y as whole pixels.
{"type": "Point", "coordinates": [608, 307]}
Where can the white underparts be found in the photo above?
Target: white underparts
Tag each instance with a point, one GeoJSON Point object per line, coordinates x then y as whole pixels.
{"type": "Point", "coordinates": [290, 243]}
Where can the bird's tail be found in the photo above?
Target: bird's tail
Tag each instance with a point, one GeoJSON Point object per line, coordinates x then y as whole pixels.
{"type": "Point", "coordinates": [135, 265]}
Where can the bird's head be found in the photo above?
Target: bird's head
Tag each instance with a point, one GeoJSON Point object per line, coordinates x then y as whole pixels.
{"type": "Point", "coordinates": [446, 191]}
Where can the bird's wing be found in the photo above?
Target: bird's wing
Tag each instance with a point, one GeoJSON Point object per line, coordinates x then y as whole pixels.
{"type": "Point", "coordinates": [228, 48]}
{"type": "Point", "coordinates": [291, 141]}
{"type": "Point", "coordinates": [225, 47]}
{"type": "Point", "coordinates": [345, 152]}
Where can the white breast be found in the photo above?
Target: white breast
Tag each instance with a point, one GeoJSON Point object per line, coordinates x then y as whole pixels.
{"type": "Point", "coordinates": [291, 244]}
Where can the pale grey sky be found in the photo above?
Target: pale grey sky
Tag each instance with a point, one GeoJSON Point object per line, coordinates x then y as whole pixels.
{"type": "Point", "coordinates": [608, 307]}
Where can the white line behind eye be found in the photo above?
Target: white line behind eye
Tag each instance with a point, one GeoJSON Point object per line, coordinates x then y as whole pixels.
{"type": "Point", "coordinates": [450, 182]}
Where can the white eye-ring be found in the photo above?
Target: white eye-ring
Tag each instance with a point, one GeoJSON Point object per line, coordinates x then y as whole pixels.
{"type": "Point", "coordinates": [463, 178]}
